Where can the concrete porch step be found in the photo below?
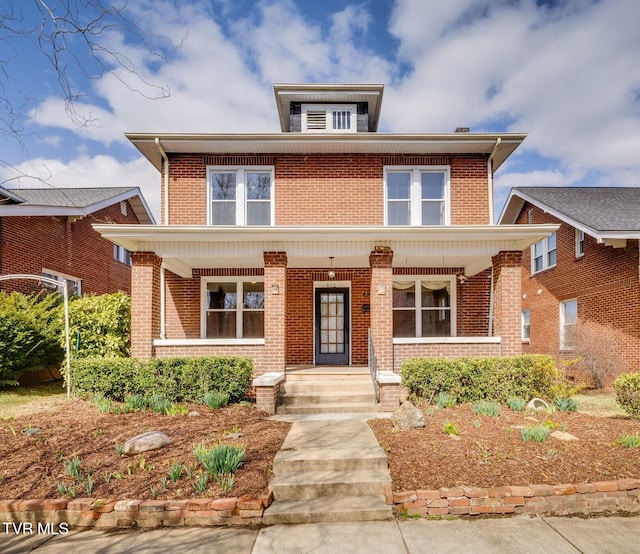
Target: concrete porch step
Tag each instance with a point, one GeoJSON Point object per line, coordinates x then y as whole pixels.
{"type": "Point", "coordinates": [289, 462]}
{"type": "Point", "coordinates": [334, 397]}
{"type": "Point", "coordinates": [314, 484]}
{"type": "Point", "coordinates": [328, 408]}
{"type": "Point", "coordinates": [328, 510]}
{"type": "Point", "coordinates": [324, 386]}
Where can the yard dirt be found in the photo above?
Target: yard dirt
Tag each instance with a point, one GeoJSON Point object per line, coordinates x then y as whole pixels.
{"type": "Point", "coordinates": [32, 466]}
{"type": "Point", "coordinates": [490, 452]}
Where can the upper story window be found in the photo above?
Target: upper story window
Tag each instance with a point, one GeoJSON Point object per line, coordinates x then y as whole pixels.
{"type": "Point", "coordinates": [543, 254]}
{"type": "Point", "coordinates": [319, 118]}
{"type": "Point", "coordinates": [121, 254]}
{"type": "Point", "coordinates": [416, 196]}
{"type": "Point", "coordinates": [579, 243]}
{"type": "Point", "coordinates": [424, 307]}
{"type": "Point", "coordinates": [240, 196]}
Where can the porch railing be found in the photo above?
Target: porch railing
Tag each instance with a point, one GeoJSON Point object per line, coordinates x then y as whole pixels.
{"type": "Point", "coordinates": [373, 366]}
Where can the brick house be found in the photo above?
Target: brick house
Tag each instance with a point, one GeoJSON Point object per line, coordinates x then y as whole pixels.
{"type": "Point", "coordinates": [580, 285]}
{"type": "Point", "coordinates": [49, 232]}
{"type": "Point", "coordinates": [289, 247]}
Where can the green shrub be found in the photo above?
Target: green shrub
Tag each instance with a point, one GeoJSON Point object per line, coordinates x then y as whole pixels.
{"type": "Point", "coordinates": [100, 326]}
{"type": "Point", "coordinates": [176, 379]}
{"type": "Point", "coordinates": [471, 379]}
{"type": "Point", "coordinates": [627, 388]}
{"type": "Point", "coordinates": [537, 433]}
{"type": "Point", "coordinates": [29, 336]}
{"type": "Point", "coordinates": [222, 459]}
{"type": "Point", "coordinates": [445, 400]}
{"type": "Point", "coordinates": [565, 404]}
{"type": "Point", "coordinates": [216, 400]}
{"type": "Point", "coordinates": [485, 407]}
{"type": "Point", "coordinates": [516, 403]}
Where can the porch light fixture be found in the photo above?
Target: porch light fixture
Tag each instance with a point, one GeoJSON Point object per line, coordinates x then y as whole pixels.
{"type": "Point", "coordinates": [331, 274]}
{"type": "Point", "coordinates": [275, 288]}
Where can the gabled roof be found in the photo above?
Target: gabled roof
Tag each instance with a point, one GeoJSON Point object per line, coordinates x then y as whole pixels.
{"type": "Point", "coordinates": [602, 212]}
{"type": "Point", "coordinates": [72, 201]}
{"type": "Point", "coordinates": [8, 197]}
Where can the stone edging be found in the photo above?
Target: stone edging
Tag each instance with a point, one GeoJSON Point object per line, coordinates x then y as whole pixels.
{"type": "Point", "coordinates": [112, 513]}
{"type": "Point", "coordinates": [621, 496]}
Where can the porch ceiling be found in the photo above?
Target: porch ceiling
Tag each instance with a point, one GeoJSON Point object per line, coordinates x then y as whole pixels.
{"type": "Point", "coordinates": [184, 248]}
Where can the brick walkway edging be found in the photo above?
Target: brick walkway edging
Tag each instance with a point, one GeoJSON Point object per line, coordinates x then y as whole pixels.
{"type": "Point", "coordinates": [611, 497]}
{"type": "Point", "coordinates": [621, 496]}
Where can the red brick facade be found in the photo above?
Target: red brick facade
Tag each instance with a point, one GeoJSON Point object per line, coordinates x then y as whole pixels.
{"type": "Point", "coordinates": [64, 246]}
{"type": "Point", "coordinates": [604, 281]}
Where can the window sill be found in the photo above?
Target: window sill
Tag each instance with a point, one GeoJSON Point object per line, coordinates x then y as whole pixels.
{"type": "Point", "coordinates": [209, 342]}
{"type": "Point", "coordinates": [447, 340]}
{"type": "Point", "coordinates": [567, 349]}
{"type": "Point", "coordinates": [543, 270]}
{"type": "Point", "coordinates": [526, 341]}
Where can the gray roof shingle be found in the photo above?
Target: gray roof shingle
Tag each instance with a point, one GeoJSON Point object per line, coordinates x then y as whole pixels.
{"type": "Point", "coordinates": [69, 197]}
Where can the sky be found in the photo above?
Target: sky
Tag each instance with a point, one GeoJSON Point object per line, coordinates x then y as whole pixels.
{"type": "Point", "coordinates": [566, 72]}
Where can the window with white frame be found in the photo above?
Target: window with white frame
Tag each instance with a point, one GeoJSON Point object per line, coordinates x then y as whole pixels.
{"type": "Point", "coordinates": [568, 324]}
{"type": "Point", "coordinates": [74, 285]}
{"type": "Point", "coordinates": [240, 196]}
{"type": "Point", "coordinates": [121, 254]}
{"type": "Point", "coordinates": [319, 118]}
{"type": "Point", "coordinates": [526, 325]}
{"type": "Point", "coordinates": [233, 309]}
{"type": "Point", "coordinates": [543, 254]}
{"type": "Point", "coordinates": [579, 243]}
{"type": "Point", "coordinates": [424, 307]}
{"type": "Point", "coordinates": [416, 196]}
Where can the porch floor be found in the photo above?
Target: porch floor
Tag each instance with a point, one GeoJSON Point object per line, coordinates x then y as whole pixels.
{"type": "Point", "coordinates": [327, 370]}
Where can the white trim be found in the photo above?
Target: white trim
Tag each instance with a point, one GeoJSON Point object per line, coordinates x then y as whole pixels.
{"type": "Point", "coordinates": [209, 342]}
{"type": "Point", "coordinates": [415, 196]}
{"type": "Point", "coordinates": [579, 239]}
{"type": "Point", "coordinates": [545, 254]}
{"type": "Point", "coordinates": [328, 110]}
{"type": "Point", "coordinates": [522, 324]}
{"type": "Point", "coordinates": [563, 347]}
{"type": "Point", "coordinates": [448, 340]}
{"type": "Point", "coordinates": [238, 280]}
{"type": "Point", "coordinates": [74, 282]}
{"type": "Point", "coordinates": [241, 192]}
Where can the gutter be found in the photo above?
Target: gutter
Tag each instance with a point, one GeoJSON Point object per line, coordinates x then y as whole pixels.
{"type": "Point", "coordinates": [490, 178]}
{"type": "Point", "coordinates": [166, 180]}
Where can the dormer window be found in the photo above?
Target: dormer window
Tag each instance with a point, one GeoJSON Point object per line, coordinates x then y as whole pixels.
{"type": "Point", "coordinates": [332, 118]}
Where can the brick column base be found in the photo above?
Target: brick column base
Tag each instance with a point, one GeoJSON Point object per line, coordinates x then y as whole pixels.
{"type": "Point", "coordinates": [267, 389]}
{"type": "Point", "coordinates": [390, 390]}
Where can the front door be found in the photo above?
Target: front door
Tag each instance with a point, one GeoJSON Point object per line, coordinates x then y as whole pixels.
{"type": "Point", "coordinates": [332, 326]}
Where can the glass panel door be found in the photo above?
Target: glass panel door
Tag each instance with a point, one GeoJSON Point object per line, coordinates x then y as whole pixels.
{"type": "Point", "coordinates": [332, 327]}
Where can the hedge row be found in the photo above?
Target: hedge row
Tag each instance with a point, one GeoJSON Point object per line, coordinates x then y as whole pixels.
{"type": "Point", "coordinates": [176, 379]}
{"type": "Point", "coordinates": [627, 387]}
{"type": "Point", "coordinates": [472, 379]}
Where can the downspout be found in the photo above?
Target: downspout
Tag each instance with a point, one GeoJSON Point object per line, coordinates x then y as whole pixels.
{"type": "Point", "coordinates": [163, 299]}
{"type": "Point", "coordinates": [491, 306]}
{"type": "Point", "coordinates": [165, 166]}
{"type": "Point", "coordinates": [490, 178]}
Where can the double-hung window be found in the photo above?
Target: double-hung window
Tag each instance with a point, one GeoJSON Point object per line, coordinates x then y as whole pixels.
{"type": "Point", "coordinates": [543, 254]}
{"type": "Point", "coordinates": [121, 254]}
{"type": "Point", "coordinates": [526, 325]}
{"type": "Point", "coordinates": [416, 196]}
{"type": "Point", "coordinates": [579, 243]}
{"type": "Point", "coordinates": [424, 307]}
{"type": "Point", "coordinates": [568, 324]}
{"type": "Point", "coordinates": [240, 196]}
{"type": "Point", "coordinates": [233, 309]}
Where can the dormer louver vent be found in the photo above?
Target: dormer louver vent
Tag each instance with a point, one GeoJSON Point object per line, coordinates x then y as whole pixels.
{"type": "Point", "coordinates": [316, 120]}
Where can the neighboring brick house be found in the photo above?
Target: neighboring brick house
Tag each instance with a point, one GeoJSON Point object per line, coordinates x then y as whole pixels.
{"type": "Point", "coordinates": [49, 232]}
{"type": "Point", "coordinates": [289, 247]}
{"type": "Point", "coordinates": [580, 286]}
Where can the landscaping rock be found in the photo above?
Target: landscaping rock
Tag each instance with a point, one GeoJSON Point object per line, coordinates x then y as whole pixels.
{"type": "Point", "coordinates": [31, 431]}
{"type": "Point", "coordinates": [563, 436]}
{"type": "Point", "coordinates": [235, 435]}
{"type": "Point", "coordinates": [194, 413]}
{"type": "Point", "coordinates": [407, 416]}
{"type": "Point", "coordinates": [153, 440]}
{"type": "Point", "coordinates": [537, 404]}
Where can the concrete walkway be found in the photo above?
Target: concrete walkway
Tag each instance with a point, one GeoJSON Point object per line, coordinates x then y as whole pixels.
{"type": "Point", "coordinates": [525, 534]}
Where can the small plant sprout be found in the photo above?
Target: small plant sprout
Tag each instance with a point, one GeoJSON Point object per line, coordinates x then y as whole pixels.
{"type": "Point", "coordinates": [88, 487]}
{"type": "Point", "coordinates": [216, 400]}
{"type": "Point", "coordinates": [537, 433]}
{"type": "Point", "coordinates": [107, 476]}
{"type": "Point", "coordinates": [73, 466]}
{"type": "Point", "coordinates": [154, 492]}
{"type": "Point", "coordinates": [177, 410]}
{"type": "Point", "coordinates": [119, 449]}
{"type": "Point", "coordinates": [62, 488]}
{"type": "Point", "coordinates": [485, 407]}
{"type": "Point", "coordinates": [476, 423]}
{"type": "Point", "coordinates": [175, 471]}
{"type": "Point", "coordinates": [202, 483]}
{"type": "Point", "coordinates": [450, 428]}
{"type": "Point", "coordinates": [629, 441]}
{"type": "Point", "coordinates": [566, 404]}
{"type": "Point", "coordinates": [163, 483]}
{"type": "Point", "coordinates": [190, 471]}
{"type": "Point", "coordinates": [445, 400]}
{"type": "Point", "coordinates": [516, 403]}
{"type": "Point", "coordinates": [103, 404]}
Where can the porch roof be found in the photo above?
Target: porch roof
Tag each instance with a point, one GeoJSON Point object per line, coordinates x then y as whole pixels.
{"type": "Point", "coordinates": [187, 247]}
